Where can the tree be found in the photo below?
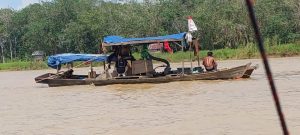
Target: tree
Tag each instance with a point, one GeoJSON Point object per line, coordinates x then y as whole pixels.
{"type": "Point", "coordinates": [78, 26]}
{"type": "Point", "coordinates": [5, 27]}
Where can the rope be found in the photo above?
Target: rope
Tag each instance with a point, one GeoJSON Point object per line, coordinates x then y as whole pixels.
{"type": "Point", "coordinates": [267, 67]}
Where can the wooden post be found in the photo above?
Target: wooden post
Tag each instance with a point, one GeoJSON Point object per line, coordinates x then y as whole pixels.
{"type": "Point", "coordinates": [196, 43]}
{"type": "Point", "coordinates": [91, 66]}
{"type": "Point", "coordinates": [146, 68]}
{"type": "Point", "coordinates": [190, 43]}
{"type": "Point", "coordinates": [92, 73]}
{"type": "Point", "coordinates": [104, 66]}
{"type": "Point", "coordinates": [182, 60]}
{"type": "Point", "coordinates": [57, 70]}
{"type": "Point", "coordinates": [198, 59]}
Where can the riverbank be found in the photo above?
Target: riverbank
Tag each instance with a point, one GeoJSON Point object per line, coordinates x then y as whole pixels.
{"type": "Point", "coordinates": [285, 50]}
{"type": "Point", "coordinates": [23, 65]}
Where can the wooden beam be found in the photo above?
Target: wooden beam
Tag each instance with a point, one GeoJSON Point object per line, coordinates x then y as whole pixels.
{"type": "Point", "coordinates": [140, 42]}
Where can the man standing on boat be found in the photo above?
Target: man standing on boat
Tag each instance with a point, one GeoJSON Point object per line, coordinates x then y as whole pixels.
{"type": "Point", "coordinates": [209, 62]}
{"type": "Point", "coordinates": [113, 56]}
{"type": "Point", "coordinates": [121, 56]}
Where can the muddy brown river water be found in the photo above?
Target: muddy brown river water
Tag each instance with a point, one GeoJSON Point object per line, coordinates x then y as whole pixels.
{"type": "Point", "coordinates": [234, 107]}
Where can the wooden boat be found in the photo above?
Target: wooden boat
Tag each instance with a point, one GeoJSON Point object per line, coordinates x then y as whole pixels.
{"type": "Point", "coordinates": [55, 80]}
{"type": "Point", "coordinates": [249, 71]}
{"type": "Point", "coordinates": [141, 71]}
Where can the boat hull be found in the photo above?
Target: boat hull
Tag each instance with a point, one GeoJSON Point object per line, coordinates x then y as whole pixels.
{"type": "Point", "coordinates": [232, 73]}
{"type": "Point", "coordinates": [249, 71]}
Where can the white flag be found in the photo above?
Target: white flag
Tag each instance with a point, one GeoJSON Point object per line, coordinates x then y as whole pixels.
{"type": "Point", "coordinates": [191, 25]}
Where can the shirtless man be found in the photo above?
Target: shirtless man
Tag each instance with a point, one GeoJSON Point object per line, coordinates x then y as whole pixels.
{"type": "Point", "coordinates": [209, 62]}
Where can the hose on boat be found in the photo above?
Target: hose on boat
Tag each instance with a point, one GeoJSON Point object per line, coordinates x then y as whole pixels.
{"type": "Point", "coordinates": [146, 55]}
{"type": "Point", "coordinates": [167, 68]}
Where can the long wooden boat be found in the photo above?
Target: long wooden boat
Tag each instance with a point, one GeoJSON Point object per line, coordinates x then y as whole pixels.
{"type": "Point", "coordinates": [141, 71]}
{"type": "Point", "coordinates": [54, 80]}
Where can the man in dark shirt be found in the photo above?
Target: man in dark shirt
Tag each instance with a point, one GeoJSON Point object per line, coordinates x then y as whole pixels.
{"type": "Point", "coordinates": [113, 56]}
{"type": "Point", "coordinates": [121, 56]}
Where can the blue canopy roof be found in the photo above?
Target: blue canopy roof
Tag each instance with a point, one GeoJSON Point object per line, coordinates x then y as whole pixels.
{"type": "Point", "coordinates": [118, 40]}
{"type": "Point", "coordinates": [55, 61]}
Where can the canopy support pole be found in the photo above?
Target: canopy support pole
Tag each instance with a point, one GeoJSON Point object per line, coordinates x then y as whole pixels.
{"type": "Point", "coordinates": [190, 48]}
{"type": "Point", "coordinates": [182, 60]}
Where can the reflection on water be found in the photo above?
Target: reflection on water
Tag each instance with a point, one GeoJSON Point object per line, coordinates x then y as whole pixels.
{"type": "Point", "coordinates": [128, 87]}
{"type": "Point", "coordinates": [193, 107]}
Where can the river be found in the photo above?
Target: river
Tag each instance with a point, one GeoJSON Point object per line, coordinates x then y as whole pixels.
{"type": "Point", "coordinates": [235, 107]}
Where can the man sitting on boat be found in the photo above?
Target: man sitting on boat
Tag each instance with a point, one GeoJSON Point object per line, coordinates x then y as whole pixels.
{"type": "Point", "coordinates": [209, 62]}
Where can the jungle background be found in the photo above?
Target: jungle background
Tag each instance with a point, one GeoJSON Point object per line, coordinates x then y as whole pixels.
{"type": "Point", "coordinates": [78, 26]}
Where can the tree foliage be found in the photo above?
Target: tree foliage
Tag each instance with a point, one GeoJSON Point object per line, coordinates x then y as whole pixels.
{"type": "Point", "coordinates": [79, 26]}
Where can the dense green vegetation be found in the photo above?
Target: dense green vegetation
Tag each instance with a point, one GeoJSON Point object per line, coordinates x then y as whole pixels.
{"type": "Point", "coordinates": [247, 52]}
{"type": "Point", "coordinates": [220, 54]}
{"type": "Point", "coordinates": [78, 26]}
{"type": "Point", "coordinates": [23, 65]}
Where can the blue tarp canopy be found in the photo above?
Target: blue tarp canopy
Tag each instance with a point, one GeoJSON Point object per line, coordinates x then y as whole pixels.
{"type": "Point", "coordinates": [55, 61]}
{"type": "Point", "coordinates": [118, 40]}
